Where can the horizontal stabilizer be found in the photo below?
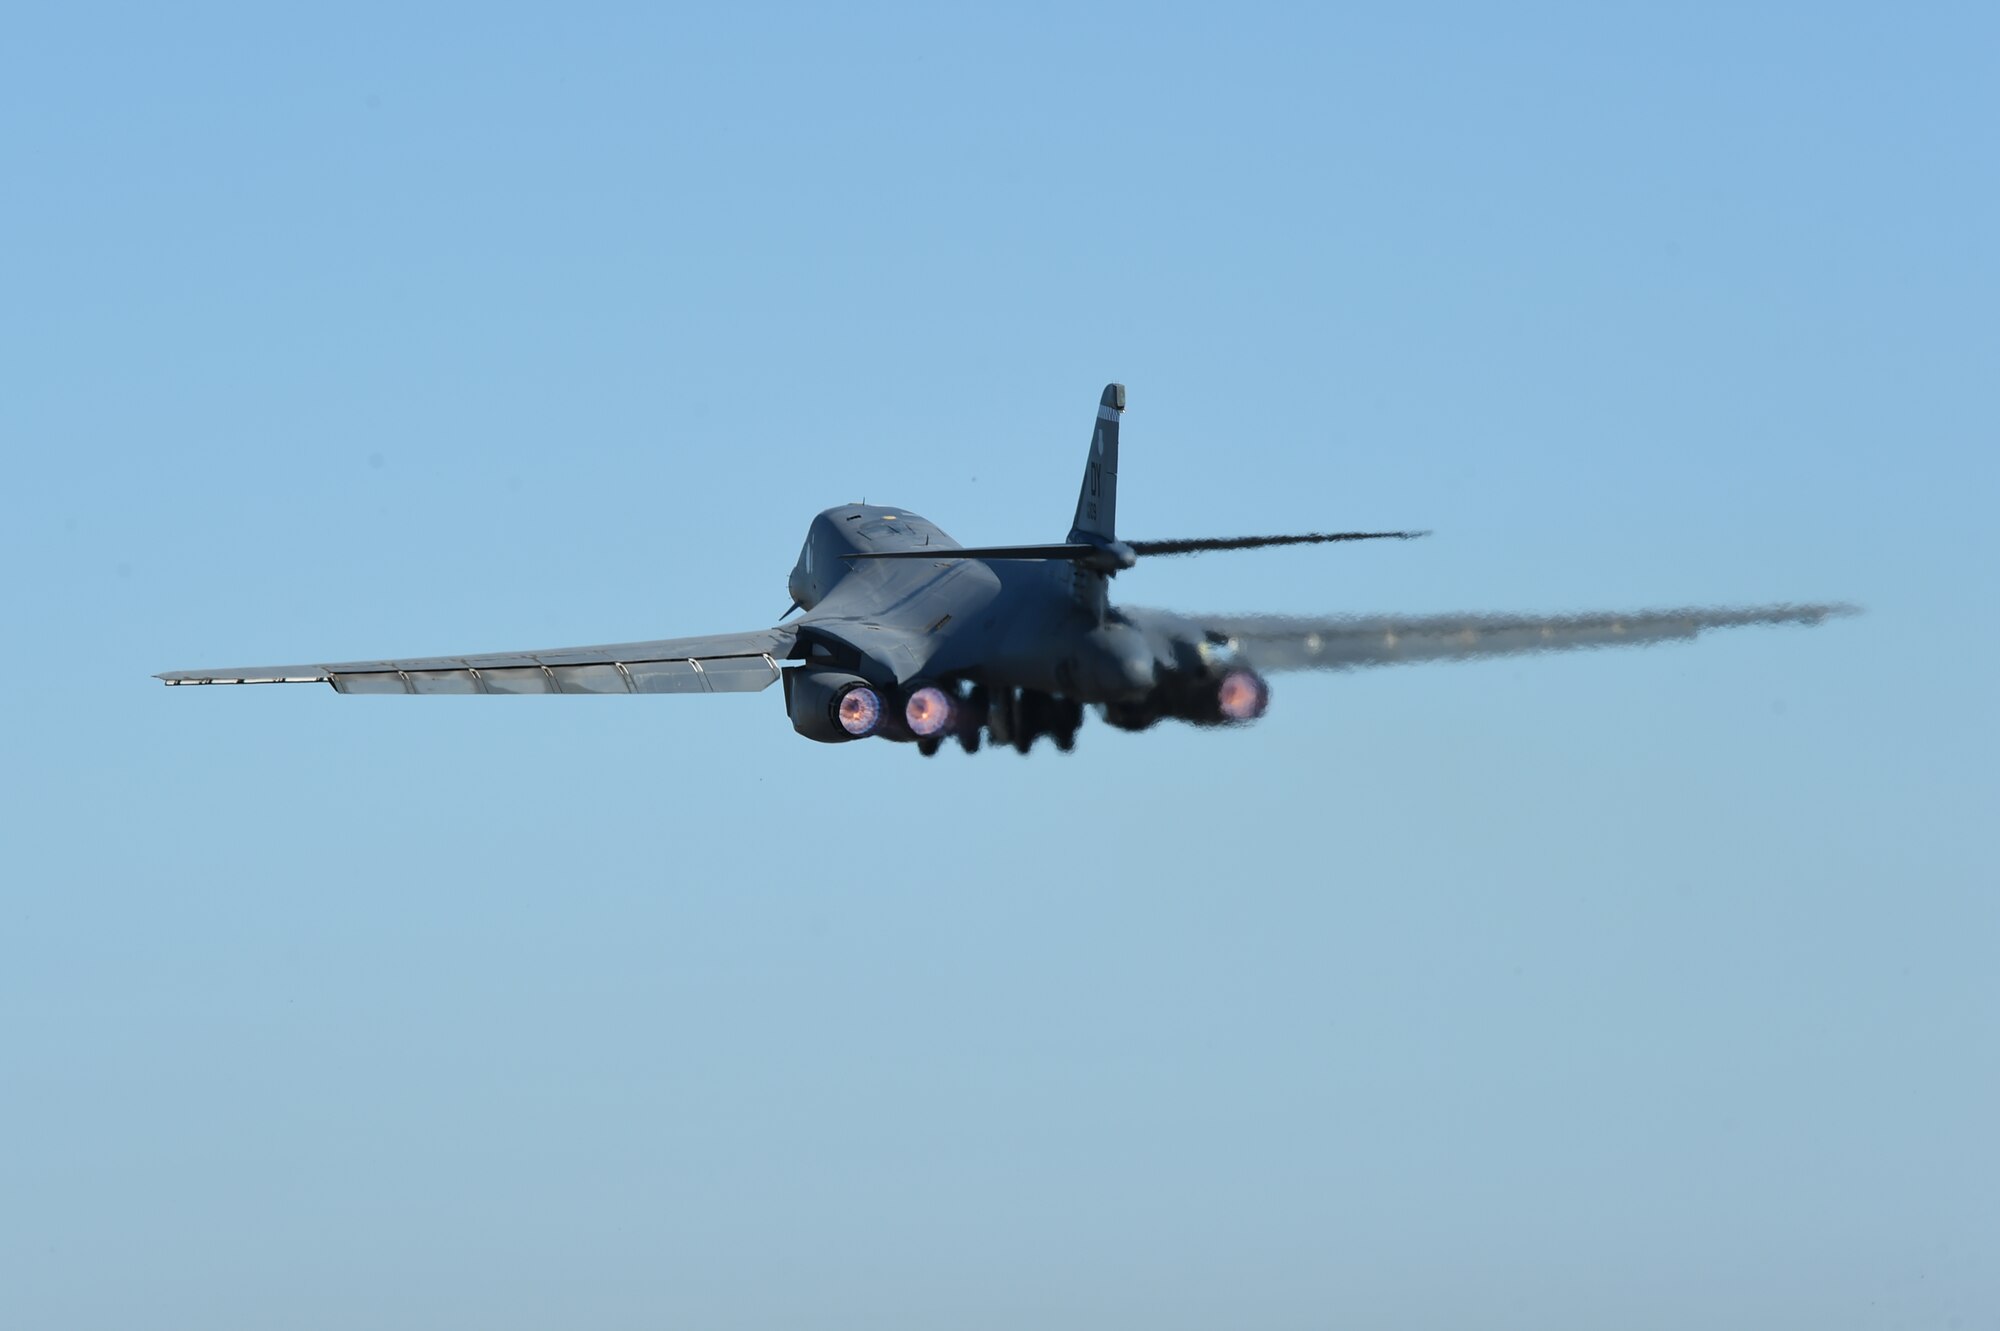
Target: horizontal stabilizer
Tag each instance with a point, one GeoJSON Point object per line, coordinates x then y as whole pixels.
{"type": "Point", "coordinates": [1121, 554]}
{"type": "Point", "coordinates": [1063, 551]}
{"type": "Point", "coordinates": [1198, 544]}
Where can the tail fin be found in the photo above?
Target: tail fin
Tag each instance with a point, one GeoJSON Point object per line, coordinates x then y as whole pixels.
{"type": "Point", "coordinates": [1097, 502]}
{"type": "Point", "coordinates": [1093, 545]}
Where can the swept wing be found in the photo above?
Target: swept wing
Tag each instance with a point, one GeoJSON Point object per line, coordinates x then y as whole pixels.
{"type": "Point", "coordinates": [1277, 642]}
{"type": "Point", "coordinates": [725, 663]}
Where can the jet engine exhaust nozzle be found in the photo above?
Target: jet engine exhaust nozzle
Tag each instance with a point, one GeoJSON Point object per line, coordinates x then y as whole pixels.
{"type": "Point", "coordinates": [832, 706]}
{"type": "Point", "coordinates": [928, 711]}
{"type": "Point", "coordinates": [858, 711]}
{"type": "Point", "coordinates": [1242, 695]}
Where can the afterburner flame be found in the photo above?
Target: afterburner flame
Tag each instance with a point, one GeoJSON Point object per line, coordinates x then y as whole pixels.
{"type": "Point", "coordinates": [858, 711]}
{"type": "Point", "coordinates": [1242, 695]}
{"type": "Point", "coordinates": [928, 711]}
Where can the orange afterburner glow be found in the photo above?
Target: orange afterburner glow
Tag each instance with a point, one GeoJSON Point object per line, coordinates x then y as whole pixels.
{"type": "Point", "coordinates": [1242, 695]}
{"type": "Point", "coordinates": [859, 711]}
{"type": "Point", "coordinates": [928, 711]}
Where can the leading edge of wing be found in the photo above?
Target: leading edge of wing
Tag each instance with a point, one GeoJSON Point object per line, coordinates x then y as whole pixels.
{"type": "Point", "coordinates": [721, 663]}
{"type": "Point", "coordinates": [1278, 642]}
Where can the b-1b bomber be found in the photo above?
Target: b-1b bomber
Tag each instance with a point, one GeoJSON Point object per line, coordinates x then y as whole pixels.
{"type": "Point", "coordinates": [898, 632]}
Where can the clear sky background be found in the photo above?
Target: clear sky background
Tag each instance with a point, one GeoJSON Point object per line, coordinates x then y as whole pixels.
{"type": "Point", "coordinates": [1644, 990]}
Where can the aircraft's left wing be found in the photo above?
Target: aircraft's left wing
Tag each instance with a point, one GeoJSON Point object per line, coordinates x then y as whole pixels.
{"type": "Point", "coordinates": [1273, 643]}
{"type": "Point", "coordinates": [726, 663]}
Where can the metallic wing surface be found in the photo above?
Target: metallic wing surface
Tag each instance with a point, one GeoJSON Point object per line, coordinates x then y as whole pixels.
{"type": "Point", "coordinates": [1342, 642]}
{"type": "Point", "coordinates": [726, 663]}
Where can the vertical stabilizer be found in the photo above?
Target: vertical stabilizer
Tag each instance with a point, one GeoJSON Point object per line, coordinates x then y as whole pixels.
{"type": "Point", "coordinates": [1097, 503]}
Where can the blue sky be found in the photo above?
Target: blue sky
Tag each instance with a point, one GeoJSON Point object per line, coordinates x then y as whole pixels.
{"type": "Point", "coordinates": [1651, 989]}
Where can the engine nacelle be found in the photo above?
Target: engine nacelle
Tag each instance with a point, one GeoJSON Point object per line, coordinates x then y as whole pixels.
{"type": "Point", "coordinates": [832, 706]}
{"type": "Point", "coordinates": [1239, 695]}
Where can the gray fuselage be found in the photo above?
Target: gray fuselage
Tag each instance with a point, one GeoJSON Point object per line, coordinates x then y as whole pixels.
{"type": "Point", "coordinates": [1027, 624]}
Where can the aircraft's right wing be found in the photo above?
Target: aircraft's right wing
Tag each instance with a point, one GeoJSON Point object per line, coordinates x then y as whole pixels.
{"type": "Point", "coordinates": [726, 663]}
{"type": "Point", "coordinates": [1274, 643]}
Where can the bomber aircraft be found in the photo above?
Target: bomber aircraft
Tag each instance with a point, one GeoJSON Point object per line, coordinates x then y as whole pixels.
{"type": "Point", "coordinates": [907, 635]}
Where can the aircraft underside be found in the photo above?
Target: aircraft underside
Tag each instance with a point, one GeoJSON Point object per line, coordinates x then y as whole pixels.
{"type": "Point", "coordinates": [831, 705]}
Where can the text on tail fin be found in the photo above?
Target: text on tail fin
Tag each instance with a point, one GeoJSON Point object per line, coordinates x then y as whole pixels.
{"type": "Point", "coordinates": [1097, 501]}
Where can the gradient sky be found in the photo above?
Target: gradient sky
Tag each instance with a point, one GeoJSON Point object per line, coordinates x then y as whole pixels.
{"type": "Point", "coordinates": [1644, 990]}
